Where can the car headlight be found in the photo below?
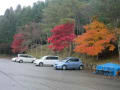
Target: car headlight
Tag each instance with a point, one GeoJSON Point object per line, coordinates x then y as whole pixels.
{"type": "Point", "coordinates": [35, 61]}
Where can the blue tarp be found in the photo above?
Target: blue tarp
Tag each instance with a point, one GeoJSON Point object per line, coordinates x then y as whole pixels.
{"type": "Point", "coordinates": [111, 67]}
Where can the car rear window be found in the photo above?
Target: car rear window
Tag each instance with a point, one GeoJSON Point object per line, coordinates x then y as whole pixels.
{"type": "Point", "coordinates": [52, 58]}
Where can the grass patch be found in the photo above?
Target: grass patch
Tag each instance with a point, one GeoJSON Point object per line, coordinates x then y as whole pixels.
{"type": "Point", "coordinates": [5, 56]}
{"type": "Point", "coordinates": [40, 51]}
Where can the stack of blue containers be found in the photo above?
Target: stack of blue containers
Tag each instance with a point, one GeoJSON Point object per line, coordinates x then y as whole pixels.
{"type": "Point", "coordinates": [109, 69]}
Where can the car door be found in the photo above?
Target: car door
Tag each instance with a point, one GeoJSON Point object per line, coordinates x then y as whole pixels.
{"type": "Point", "coordinates": [53, 60]}
{"type": "Point", "coordinates": [76, 63]}
{"type": "Point", "coordinates": [47, 60]}
{"type": "Point", "coordinates": [73, 63]}
{"type": "Point", "coordinates": [25, 58]}
{"type": "Point", "coordinates": [29, 58]}
{"type": "Point", "coordinates": [50, 60]}
{"type": "Point", "coordinates": [22, 57]}
{"type": "Point", "coordinates": [70, 63]}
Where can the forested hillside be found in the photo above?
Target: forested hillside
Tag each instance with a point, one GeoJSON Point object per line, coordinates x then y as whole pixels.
{"type": "Point", "coordinates": [82, 27]}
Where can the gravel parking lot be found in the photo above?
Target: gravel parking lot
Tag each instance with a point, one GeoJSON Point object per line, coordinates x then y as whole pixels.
{"type": "Point", "coordinates": [26, 76]}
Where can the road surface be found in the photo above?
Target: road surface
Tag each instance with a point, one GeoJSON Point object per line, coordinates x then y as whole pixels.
{"type": "Point", "coordinates": [26, 76]}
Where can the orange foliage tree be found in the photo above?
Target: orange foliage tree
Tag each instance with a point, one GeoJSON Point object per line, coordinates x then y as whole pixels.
{"type": "Point", "coordinates": [95, 40]}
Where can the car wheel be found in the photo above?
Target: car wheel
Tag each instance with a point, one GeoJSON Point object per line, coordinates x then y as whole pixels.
{"type": "Point", "coordinates": [41, 64]}
{"type": "Point", "coordinates": [81, 67]}
{"type": "Point", "coordinates": [21, 61]}
{"type": "Point", "coordinates": [55, 68]}
{"type": "Point", "coordinates": [52, 65]}
{"type": "Point", "coordinates": [33, 61]}
{"type": "Point", "coordinates": [64, 67]}
{"type": "Point", "coordinates": [14, 60]}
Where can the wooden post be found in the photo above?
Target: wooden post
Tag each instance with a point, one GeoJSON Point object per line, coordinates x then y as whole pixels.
{"type": "Point", "coordinates": [41, 46]}
{"type": "Point", "coordinates": [36, 48]}
{"type": "Point", "coordinates": [119, 47]}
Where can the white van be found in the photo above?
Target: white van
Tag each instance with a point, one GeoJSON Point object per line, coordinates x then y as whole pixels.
{"type": "Point", "coordinates": [25, 58]}
{"type": "Point", "coordinates": [46, 60]}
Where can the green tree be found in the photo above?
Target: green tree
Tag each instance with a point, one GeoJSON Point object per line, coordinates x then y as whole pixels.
{"type": "Point", "coordinates": [12, 20]}
{"type": "Point", "coordinates": [108, 12]}
{"type": "Point", "coordinates": [33, 33]}
{"type": "Point", "coordinates": [37, 11]}
{"type": "Point", "coordinates": [62, 9]}
{"type": "Point", "coordinates": [8, 26]}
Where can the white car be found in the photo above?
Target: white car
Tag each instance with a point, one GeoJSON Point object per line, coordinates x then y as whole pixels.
{"type": "Point", "coordinates": [25, 58]}
{"type": "Point", "coordinates": [14, 59]}
{"type": "Point", "coordinates": [46, 60]}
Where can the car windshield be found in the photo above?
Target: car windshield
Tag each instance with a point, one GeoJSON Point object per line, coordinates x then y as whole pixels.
{"type": "Point", "coordinates": [42, 58]}
{"type": "Point", "coordinates": [64, 60]}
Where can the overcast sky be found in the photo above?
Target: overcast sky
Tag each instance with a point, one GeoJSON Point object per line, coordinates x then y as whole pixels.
{"type": "Point", "coordinates": [4, 4]}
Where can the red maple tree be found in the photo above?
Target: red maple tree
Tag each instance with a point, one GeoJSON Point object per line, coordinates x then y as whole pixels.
{"type": "Point", "coordinates": [62, 36]}
{"type": "Point", "coordinates": [17, 43]}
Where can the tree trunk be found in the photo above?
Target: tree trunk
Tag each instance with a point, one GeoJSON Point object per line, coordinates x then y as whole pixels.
{"type": "Point", "coordinates": [36, 48]}
{"type": "Point", "coordinates": [70, 50]}
{"type": "Point", "coordinates": [41, 46]}
{"type": "Point", "coordinates": [119, 47]}
{"type": "Point", "coordinates": [116, 22]}
{"type": "Point", "coordinates": [98, 57]}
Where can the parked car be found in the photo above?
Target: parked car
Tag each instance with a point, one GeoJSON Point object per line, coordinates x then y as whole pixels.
{"type": "Point", "coordinates": [14, 59]}
{"type": "Point", "coordinates": [46, 60]}
{"type": "Point", "coordinates": [69, 63]}
{"type": "Point", "coordinates": [25, 58]}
